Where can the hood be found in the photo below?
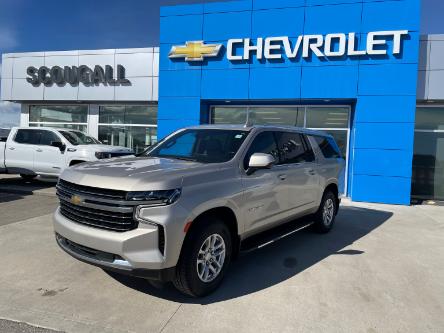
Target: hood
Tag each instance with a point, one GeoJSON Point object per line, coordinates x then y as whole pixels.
{"type": "Point", "coordinates": [135, 173]}
{"type": "Point", "coordinates": [105, 148]}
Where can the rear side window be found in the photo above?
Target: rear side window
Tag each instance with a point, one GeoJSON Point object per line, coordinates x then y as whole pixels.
{"type": "Point", "coordinates": [27, 136]}
{"type": "Point", "coordinates": [328, 147]}
{"type": "Point", "coordinates": [293, 148]}
{"type": "Point", "coordinates": [47, 137]}
{"type": "Point", "coordinates": [265, 143]}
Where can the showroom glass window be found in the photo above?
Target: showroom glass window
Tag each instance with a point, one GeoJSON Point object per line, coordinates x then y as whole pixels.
{"type": "Point", "coordinates": [60, 116]}
{"type": "Point", "coordinates": [331, 119]}
{"type": "Point", "coordinates": [133, 126]}
{"type": "Point", "coordinates": [428, 154]}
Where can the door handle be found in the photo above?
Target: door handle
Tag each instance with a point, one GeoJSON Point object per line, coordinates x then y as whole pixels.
{"type": "Point", "coordinates": [39, 150]}
{"type": "Point", "coordinates": [11, 148]}
{"type": "Point", "coordinates": [282, 177]}
{"type": "Point", "coordinates": [312, 172]}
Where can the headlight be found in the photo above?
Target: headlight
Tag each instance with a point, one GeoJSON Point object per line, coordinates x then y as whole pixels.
{"type": "Point", "coordinates": [155, 198]}
{"type": "Point", "coordinates": [102, 155]}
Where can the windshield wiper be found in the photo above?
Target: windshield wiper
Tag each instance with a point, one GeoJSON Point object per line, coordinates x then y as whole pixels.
{"type": "Point", "coordinates": [181, 158]}
{"type": "Point", "coordinates": [188, 159]}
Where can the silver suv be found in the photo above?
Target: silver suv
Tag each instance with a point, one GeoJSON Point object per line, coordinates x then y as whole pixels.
{"type": "Point", "coordinates": [182, 210]}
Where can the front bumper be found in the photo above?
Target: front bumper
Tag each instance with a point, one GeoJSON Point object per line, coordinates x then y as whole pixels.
{"type": "Point", "coordinates": [112, 262]}
{"type": "Point", "coordinates": [135, 252]}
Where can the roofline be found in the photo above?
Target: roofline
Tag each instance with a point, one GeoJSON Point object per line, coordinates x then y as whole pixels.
{"type": "Point", "coordinates": [253, 127]}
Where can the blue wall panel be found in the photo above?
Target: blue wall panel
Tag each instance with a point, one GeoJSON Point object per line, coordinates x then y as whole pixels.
{"type": "Point", "coordinates": [223, 84]}
{"type": "Point", "coordinates": [383, 162]}
{"type": "Point", "coordinates": [223, 26]}
{"type": "Point", "coordinates": [389, 190]}
{"type": "Point", "coordinates": [266, 4]}
{"type": "Point", "coordinates": [380, 89]}
{"type": "Point", "coordinates": [275, 83]}
{"type": "Point", "coordinates": [333, 18]}
{"type": "Point", "coordinates": [217, 7]}
{"type": "Point", "coordinates": [286, 22]}
{"type": "Point", "coordinates": [388, 79]}
{"type": "Point", "coordinates": [176, 29]}
{"type": "Point", "coordinates": [168, 126]}
{"type": "Point", "coordinates": [180, 83]}
{"type": "Point", "coordinates": [181, 10]}
{"type": "Point", "coordinates": [329, 82]}
{"type": "Point", "coordinates": [179, 108]}
{"type": "Point", "coordinates": [387, 109]}
{"type": "Point", "coordinates": [384, 135]}
{"type": "Point", "coordinates": [394, 15]}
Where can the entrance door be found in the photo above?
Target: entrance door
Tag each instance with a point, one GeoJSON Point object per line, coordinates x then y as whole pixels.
{"type": "Point", "coordinates": [428, 155]}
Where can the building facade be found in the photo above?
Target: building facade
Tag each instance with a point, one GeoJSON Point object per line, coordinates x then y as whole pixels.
{"type": "Point", "coordinates": [357, 69]}
{"type": "Point", "coordinates": [111, 94]}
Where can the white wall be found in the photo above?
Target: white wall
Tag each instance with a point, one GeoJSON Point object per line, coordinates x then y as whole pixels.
{"type": "Point", "coordinates": [141, 67]}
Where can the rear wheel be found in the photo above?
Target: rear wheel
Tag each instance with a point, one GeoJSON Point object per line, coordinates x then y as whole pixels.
{"type": "Point", "coordinates": [326, 214]}
{"type": "Point", "coordinates": [205, 258]}
{"type": "Point", "coordinates": [28, 177]}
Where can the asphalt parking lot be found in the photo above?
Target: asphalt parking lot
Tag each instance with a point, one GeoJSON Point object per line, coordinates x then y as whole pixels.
{"type": "Point", "coordinates": [380, 270]}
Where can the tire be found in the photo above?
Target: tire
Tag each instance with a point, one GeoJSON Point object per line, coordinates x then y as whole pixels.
{"type": "Point", "coordinates": [28, 177]}
{"type": "Point", "coordinates": [326, 214]}
{"type": "Point", "coordinates": [187, 279]}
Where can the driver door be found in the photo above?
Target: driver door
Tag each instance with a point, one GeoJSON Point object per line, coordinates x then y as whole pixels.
{"type": "Point", "coordinates": [265, 197]}
{"type": "Point", "coordinates": [48, 160]}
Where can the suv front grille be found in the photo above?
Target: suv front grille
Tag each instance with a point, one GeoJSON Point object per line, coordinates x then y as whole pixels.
{"type": "Point", "coordinates": [96, 207]}
{"type": "Point", "coordinates": [92, 191]}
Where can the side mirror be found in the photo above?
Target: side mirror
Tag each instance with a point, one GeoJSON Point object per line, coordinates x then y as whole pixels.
{"type": "Point", "coordinates": [260, 161]}
{"type": "Point", "coordinates": [59, 144]}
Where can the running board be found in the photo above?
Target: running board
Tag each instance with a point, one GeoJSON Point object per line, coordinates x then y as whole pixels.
{"type": "Point", "coordinates": [268, 237]}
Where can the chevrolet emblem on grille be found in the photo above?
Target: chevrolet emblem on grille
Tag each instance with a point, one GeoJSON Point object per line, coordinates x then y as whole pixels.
{"type": "Point", "coordinates": [195, 51]}
{"type": "Point", "coordinates": [76, 200]}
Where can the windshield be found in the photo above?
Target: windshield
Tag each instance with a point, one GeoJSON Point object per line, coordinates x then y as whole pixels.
{"type": "Point", "coordinates": [78, 138]}
{"type": "Point", "coordinates": [201, 145]}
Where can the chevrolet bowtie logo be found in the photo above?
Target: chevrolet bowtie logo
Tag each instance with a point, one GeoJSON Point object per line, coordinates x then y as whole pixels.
{"type": "Point", "coordinates": [76, 200]}
{"type": "Point", "coordinates": [195, 51]}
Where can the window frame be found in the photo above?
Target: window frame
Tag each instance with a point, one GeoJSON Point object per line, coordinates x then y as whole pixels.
{"type": "Point", "coordinates": [27, 129]}
{"type": "Point", "coordinates": [42, 131]}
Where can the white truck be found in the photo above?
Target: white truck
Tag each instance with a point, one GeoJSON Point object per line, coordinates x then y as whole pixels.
{"type": "Point", "coordinates": [47, 151]}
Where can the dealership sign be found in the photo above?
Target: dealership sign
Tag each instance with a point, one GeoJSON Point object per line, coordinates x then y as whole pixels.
{"type": "Point", "coordinates": [73, 75]}
{"type": "Point", "coordinates": [274, 48]}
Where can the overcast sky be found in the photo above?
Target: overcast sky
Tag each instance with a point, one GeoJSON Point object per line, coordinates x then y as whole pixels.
{"type": "Point", "coordinates": [41, 25]}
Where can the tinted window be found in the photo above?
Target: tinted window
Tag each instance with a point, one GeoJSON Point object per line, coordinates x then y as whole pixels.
{"type": "Point", "coordinates": [293, 148]}
{"type": "Point", "coordinates": [328, 147]}
{"type": "Point", "coordinates": [265, 143]}
{"type": "Point", "coordinates": [47, 137]}
{"type": "Point", "coordinates": [27, 136]}
{"type": "Point", "coordinates": [201, 145]}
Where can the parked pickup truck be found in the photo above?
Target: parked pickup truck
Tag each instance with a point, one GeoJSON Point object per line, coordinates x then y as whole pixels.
{"type": "Point", "coordinates": [48, 151]}
{"type": "Point", "coordinates": [183, 209]}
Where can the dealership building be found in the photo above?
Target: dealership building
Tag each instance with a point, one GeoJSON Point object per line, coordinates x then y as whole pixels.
{"type": "Point", "coordinates": [357, 69]}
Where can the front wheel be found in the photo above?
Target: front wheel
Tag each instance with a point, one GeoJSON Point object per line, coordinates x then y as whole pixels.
{"type": "Point", "coordinates": [205, 259]}
{"type": "Point", "coordinates": [326, 214]}
{"type": "Point", "coordinates": [28, 177]}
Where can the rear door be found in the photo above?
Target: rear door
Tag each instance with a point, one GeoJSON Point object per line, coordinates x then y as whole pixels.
{"type": "Point", "coordinates": [297, 165]}
{"type": "Point", "coordinates": [48, 159]}
{"type": "Point", "coordinates": [20, 150]}
{"type": "Point", "coordinates": [265, 199]}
